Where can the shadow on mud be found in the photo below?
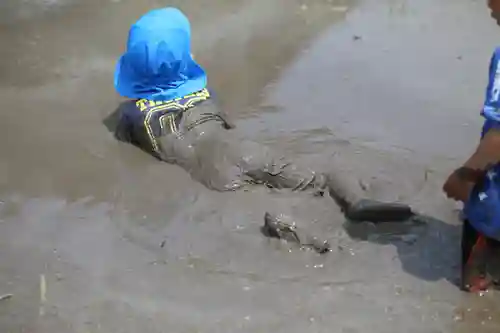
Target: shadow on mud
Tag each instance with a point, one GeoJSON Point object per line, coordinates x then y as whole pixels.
{"type": "Point", "coordinates": [116, 125]}
{"type": "Point", "coordinates": [113, 123]}
{"type": "Point", "coordinates": [428, 248]}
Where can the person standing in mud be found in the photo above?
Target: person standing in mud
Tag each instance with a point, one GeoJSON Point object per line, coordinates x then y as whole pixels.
{"type": "Point", "coordinates": [172, 115]}
{"type": "Point", "coordinates": [477, 185]}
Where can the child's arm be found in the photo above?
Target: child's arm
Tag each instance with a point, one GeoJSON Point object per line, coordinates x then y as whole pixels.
{"type": "Point", "coordinates": [487, 152]}
{"type": "Point", "coordinates": [460, 182]}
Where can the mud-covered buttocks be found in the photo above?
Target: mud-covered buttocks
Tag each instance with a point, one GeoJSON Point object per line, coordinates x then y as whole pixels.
{"type": "Point", "coordinates": [283, 227]}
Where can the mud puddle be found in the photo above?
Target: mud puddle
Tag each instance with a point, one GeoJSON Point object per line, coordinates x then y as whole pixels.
{"type": "Point", "coordinates": [97, 237]}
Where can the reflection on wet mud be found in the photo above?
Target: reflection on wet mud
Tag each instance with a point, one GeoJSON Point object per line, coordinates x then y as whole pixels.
{"type": "Point", "coordinates": [285, 29]}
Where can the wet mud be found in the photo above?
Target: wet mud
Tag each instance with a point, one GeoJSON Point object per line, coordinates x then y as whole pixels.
{"type": "Point", "coordinates": [96, 236]}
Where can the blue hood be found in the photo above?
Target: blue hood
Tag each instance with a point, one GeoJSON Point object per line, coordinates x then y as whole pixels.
{"type": "Point", "coordinates": [158, 64]}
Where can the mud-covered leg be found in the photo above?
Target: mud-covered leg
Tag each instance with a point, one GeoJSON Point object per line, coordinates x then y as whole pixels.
{"type": "Point", "coordinates": [286, 175]}
{"type": "Point", "coordinates": [347, 191]}
{"type": "Point", "coordinates": [264, 166]}
{"type": "Point", "coordinates": [284, 227]}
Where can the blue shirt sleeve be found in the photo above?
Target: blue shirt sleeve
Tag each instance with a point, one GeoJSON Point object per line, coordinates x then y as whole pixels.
{"type": "Point", "coordinates": [491, 107]}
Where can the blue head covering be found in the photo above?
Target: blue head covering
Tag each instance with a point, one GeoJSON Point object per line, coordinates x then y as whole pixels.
{"type": "Point", "coordinates": [158, 64]}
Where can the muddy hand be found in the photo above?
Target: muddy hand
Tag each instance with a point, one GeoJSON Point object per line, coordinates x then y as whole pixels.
{"type": "Point", "coordinates": [351, 198]}
{"type": "Point", "coordinates": [282, 227]}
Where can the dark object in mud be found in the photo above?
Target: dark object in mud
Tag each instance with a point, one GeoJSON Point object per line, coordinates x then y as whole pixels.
{"type": "Point", "coordinates": [282, 227]}
{"type": "Point", "coordinates": [351, 198]}
{"type": "Point", "coordinates": [375, 211]}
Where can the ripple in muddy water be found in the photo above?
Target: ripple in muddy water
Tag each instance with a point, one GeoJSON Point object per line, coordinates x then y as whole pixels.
{"type": "Point", "coordinates": [12, 11]}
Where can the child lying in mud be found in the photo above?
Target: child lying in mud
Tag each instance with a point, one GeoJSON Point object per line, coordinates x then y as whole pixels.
{"type": "Point", "coordinates": [172, 115]}
{"type": "Point", "coordinates": [477, 185]}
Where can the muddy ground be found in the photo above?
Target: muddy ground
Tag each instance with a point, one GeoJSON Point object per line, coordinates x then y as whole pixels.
{"type": "Point", "coordinates": [95, 236]}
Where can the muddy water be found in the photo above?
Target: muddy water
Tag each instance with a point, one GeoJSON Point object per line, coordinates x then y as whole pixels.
{"type": "Point", "coordinates": [97, 237]}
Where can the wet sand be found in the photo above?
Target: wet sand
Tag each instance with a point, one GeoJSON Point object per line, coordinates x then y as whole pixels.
{"type": "Point", "coordinates": [95, 236]}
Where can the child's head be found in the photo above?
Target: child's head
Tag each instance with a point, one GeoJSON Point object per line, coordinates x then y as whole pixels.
{"type": "Point", "coordinates": [495, 9]}
{"type": "Point", "coordinates": [158, 64]}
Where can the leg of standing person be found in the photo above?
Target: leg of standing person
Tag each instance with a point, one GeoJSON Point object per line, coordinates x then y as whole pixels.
{"type": "Point", "coordinates": [473, 262]}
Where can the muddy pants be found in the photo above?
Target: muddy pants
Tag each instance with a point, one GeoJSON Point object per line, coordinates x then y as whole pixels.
{"type": "Point", "coordinates": [195, 134]}
{"type": "Point", "coordinates": [220, 160]}
{"type": "Point", "coordinates": [264, 166]}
